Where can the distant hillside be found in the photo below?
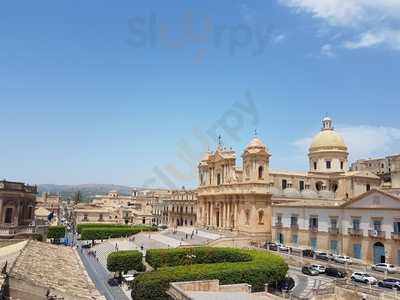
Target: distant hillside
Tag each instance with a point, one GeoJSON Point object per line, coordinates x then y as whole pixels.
{"type": "Point", "coordinates": [88, 191]}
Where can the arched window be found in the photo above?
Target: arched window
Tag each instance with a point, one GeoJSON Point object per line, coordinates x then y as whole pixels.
{"type": "Point", "coordinates": [261, 217]}
{"type": "Point", "coordinates": [218, 179]}
{"type": "Point", "coordinates": [368, 186]}
{"type": "Point", "coordinates": [334, 187]}
{"type": "Point", "coordinates": [260, 172]}
{"type": "Point", "coordinates": [319, 185]}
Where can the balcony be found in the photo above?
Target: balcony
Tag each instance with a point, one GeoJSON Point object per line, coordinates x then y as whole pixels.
{"type": "Point", "coordinates": [333, 230]}
{"type": "Point", "coordinates": [294, 226]}
{"type": "Point", "coordinates": [313, 229]}
{"type": "Point", "coordinates": [15, 230]}
{"type": "Point", "coordinates": [355, 232]}
{"type": "Point", "coordinates": [377, 234]}
{"type": "Point", "coordinates": [278, 225]}
{"type": "Point", "coordinates": [396, 236]}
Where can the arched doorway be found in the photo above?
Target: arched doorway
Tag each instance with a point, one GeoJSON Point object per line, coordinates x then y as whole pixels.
{"type": "Point", "coordinates": [379, 253]}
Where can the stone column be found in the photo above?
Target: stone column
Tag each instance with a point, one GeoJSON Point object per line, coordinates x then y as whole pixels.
{"type": "Point", "coordinates": [211, 214]}
{"type": "Point", "coordinates": [228, 213]}
{"type": "Point", "coordinates": [235, 214]}
{"type": "Point", "coordinates": [222, 215]}
{"type": "Point", "coordinates": [225, 214]}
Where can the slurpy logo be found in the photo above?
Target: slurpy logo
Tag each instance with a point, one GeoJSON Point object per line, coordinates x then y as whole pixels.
{"type": "Point", "coordinates": [152, 31]}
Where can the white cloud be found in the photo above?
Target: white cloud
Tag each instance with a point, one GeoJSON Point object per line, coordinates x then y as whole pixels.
{"type": "Point", "coordinates": [278, 39]}
{"type": "Point", "coordinates": [362, 141]}
{"type": "Point", "coordinates": [374, 22]}
{"type": "Point", "coordinates": [389, 38]}
{"type": "Point", "coordinates": [327, 50]}
{"type": "Point", "coordinates": [347, 12]}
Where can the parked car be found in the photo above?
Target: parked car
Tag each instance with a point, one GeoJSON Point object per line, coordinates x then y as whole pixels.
{"type": "Point", "coordinates": [308, 253]}
{"type": "Point", "coordinates": [283, 248]}
{"type": "Point", "coordinates": [364, 278]}
{"type": "Point", "coordinates": [384, 268]}
{"type": "Point", "coordinates": [322, 256]}
{"type": "Point", "coordinates": [391, 283]}
{"type": "Point", "coordinates": [113, 282]}
{"type": "Point", "coordinates": [342, 259]}
{"type": "Point", "coordinates": [334, 272]}
{"type": "Point", "coordinates": [309, 270]}
{"type": "Point", "coordinates": [332, 256]}
{"type": "Point", "coordinates": [319, 268]}
{"type": "Point", "coordinates": [287, 284]}
{"type": "Point", "coordinates": [271, 246]}
{"type": "Point", "coordinates": [128, 278]}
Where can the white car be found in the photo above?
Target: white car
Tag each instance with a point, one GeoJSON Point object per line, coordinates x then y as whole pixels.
{"type": "Point", "coordinates": [319, 268]}
{"type": "Point", "coordinates": [364, 278]}
{"type": "Point", "coordinates": [384, 268]}
{"type": "Point", "coordinates": [342, 259]}
{"type": "Point", "coordinates": [283, 248]}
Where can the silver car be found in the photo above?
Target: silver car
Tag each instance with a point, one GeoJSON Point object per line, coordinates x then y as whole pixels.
{"type": "Point", "coordinates": [382, 267]}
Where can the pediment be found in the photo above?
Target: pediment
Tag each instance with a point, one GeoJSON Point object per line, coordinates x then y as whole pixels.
{"type": "Point", "coordinates": [374, 199]}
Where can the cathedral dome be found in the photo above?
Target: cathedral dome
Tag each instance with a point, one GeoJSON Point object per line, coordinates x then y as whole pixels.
{"type": "Point", "coordinates": [256, 144]}
{"type": "Point", "coordinates": [327, 139]}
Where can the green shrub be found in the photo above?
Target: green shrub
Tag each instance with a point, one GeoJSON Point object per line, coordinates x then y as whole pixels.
{"type": "Point", "coordinates": [231, 266]}
{"type": "Point", "coordinates": [102, 233]}
{"type": "Point", "coordinates": [185, 256]}
{"type": "Point", "coordinates": [124, 261]}
{"type": "Point", "coordinates": [56, 232]}
{"type": "Point", "coordinates": [80, 227]}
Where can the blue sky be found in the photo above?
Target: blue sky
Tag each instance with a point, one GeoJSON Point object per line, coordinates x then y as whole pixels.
{"type": "Point", "coordinates": [107, 92]}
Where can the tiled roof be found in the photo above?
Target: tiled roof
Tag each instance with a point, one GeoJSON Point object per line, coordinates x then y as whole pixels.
{"type": "Point", "coordinates": [54, 267]}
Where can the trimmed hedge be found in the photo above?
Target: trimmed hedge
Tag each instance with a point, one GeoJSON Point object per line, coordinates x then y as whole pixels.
{"type": "Point", "coordinates": [102, 233]}
{"type": "Point", "coordinates": [248, 266]}
{"type": "Point", "coordinates": [80, 227]}
{"type": "Point", "coordinates": [183, 256]}
{"type": "Point", "coordinates": [56, 232]}
{"type": "Point", "coordinates": [124, 261]}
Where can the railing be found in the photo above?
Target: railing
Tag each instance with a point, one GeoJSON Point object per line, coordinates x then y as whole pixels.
{"type": "Point", "coordinates": [333, 230]}
{"type": "Point", "coordinates": [355, 232]}
{"type": "Point", "coordinates": [379, 234]}
{"type": "Point", "coordinates": [294, 226]}
{"type": "Point", "coordinates": [395, 235]}
{"type": "Point", "coordinates": [313, 229]}
{"type": "Point", "coordinates": [13, 230]}
{"type": "Point", "coordinates": [278, 225]}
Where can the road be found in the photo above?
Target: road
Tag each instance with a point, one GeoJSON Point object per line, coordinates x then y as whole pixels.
{"type": "Point", "coordinates": [306, 284]}
{"type": "Point", "coordinates": [100, 276]}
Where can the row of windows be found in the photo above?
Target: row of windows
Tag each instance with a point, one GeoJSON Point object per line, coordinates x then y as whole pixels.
{"type": "Point", "coordinates": [356, 221]}
{"type": "Point", "coordinates": [328, 165]}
